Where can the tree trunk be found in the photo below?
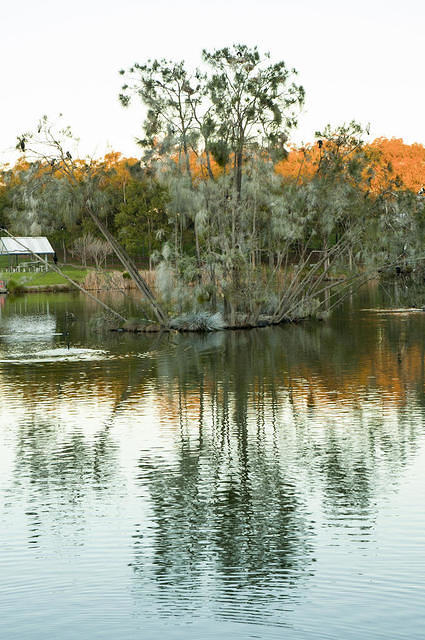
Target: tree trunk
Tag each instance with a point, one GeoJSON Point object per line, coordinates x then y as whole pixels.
{"type": "Point", "coordinates": [239, 174]}
{"type": "Point", "coordinates": [214, 288]}
{"type": "Point", "coordinates": [198, 253]}
{"type": "Point", "coordinates": [150, 244]}
{"type": "Point", "coordinates": [131, 268]}
{"type": "Point", "coordinates": [186, 155]}
{"type": "Point", "coordinates": [210, 173]}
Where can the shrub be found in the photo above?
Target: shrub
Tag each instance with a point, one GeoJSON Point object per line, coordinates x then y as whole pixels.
{"type": "Point", "coordinates": [12, 286]}
{"type": "Point", "coordinates": [198, 321]}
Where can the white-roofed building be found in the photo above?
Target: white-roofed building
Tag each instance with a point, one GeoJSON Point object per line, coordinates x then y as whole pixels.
{"type": "Point", "coordinates": [25, 246]}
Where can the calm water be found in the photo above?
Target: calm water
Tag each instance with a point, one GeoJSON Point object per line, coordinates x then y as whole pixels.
{"type": "Point", "coordinates": [262, 484]}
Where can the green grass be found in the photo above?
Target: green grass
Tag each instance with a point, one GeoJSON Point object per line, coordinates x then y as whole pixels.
{"type": "Point", "coordinates": [46, 278]}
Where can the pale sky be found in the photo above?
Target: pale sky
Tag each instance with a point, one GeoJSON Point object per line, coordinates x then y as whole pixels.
{"type": "Point", "coordinates": [361, 60]}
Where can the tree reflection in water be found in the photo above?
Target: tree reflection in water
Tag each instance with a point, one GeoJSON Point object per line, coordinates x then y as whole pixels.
{"type": "Point", "coordinates": [61, 476]}
{"type": "Point", "coordinates": [226, 522]}
{"type": "Point", "coordinates": [260, 434]}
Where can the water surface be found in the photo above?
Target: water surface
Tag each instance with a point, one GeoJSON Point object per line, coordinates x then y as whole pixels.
{"type": "Point", "coordinates": [259, 484]}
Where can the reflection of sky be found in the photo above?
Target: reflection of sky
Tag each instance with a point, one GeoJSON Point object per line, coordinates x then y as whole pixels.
{"type": "Point", "coordinates": [36, 355]}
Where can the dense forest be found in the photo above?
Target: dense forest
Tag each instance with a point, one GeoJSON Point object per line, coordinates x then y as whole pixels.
{"type": "Point", "coordinates": [239, 226]}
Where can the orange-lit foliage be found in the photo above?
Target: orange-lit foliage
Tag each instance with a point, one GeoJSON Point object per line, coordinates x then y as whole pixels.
{"type": "Point", "coordinates": [14, 176]}
{"type": "Point", "coordinates": [115, 169]}
{"type": "Point", "coordinates": [301, 164]}
{"type": "Point", "coordinates": [198, 165]}
{"type": "Point", "coordinates": [405, 163]}
{"type": "Point", "coordinates": [391, 160]}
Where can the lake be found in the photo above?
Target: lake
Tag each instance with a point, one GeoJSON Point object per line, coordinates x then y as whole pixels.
{"type": "Point", "coordinates": [243, 484]}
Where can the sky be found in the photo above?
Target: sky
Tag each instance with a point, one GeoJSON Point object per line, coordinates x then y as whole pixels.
{"type": "Point", "coordinates": [360, 60]}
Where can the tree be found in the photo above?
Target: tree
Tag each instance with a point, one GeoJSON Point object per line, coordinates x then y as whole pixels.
{"type": "Point", "coordinates": [254, 102]}
{"type": "Point", "coordinates": [47, 146]}
{"type": "Point", "coordinates": [242, 103]}
{"type": "Point", "coordinates": [404, 162]}
{"type": "Point", "coordinates": [80, 247]}
{"type": "Point", "coordinates": [236, 112]}
{"type": "Point", "coordinates": [99, 250]}
{"type": "Point", "coordinates": [5, 204]}
{"type": "Point", "coordinates": [167, 90]}
{"type": "Point", "coordinates": [142, 220]}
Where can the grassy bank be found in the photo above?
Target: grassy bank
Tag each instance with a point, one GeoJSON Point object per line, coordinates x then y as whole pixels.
{"type": "Point", "coordinates": [32, 281]}
{"type": "Point", "coordinates": [89, 278]}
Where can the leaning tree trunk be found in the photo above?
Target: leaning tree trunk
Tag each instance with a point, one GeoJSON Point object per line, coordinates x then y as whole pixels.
{"type": "Point", "coordinates": [58, 270]}
{"type": "Point", "coordinates": [131, 268]}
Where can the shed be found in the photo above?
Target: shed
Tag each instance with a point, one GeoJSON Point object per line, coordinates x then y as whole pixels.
{"type": "Point", "coordinates": [25, 246]}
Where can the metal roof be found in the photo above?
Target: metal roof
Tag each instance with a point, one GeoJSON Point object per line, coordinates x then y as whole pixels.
{"type": "Point", "coordinates": [25, 246]}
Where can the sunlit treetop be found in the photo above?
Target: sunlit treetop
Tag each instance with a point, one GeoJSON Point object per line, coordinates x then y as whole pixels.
{"type": "Point", "coordinates": [238, 102]}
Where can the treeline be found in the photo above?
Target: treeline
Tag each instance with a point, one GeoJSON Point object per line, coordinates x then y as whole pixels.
{"type": "Point", "coordinates": [131, 203]}
{"type": "Point", "coordinates": [234, 222]}
{"type": "Point", "coordinates": [137, 201]}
